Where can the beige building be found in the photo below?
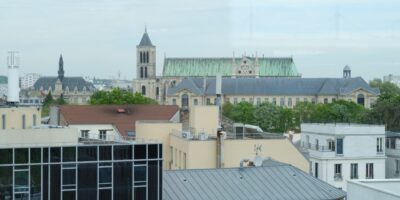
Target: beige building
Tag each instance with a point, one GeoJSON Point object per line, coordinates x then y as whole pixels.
{"type": "Point", "coordinates": [197, 146]}
{"type": "Point", "coordinates": [20, 117]}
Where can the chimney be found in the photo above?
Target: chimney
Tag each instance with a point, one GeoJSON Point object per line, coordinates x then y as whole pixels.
{"type": "Point", "coordinates": [220, 149]}
{"type": "Point", "coordinates": [13, 78]}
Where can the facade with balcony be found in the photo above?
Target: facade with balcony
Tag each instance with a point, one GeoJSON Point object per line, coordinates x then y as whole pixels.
{"type": "Point", "coordinates": [341, 152]}
{"type": "Point", "coordinates": [393, 155]}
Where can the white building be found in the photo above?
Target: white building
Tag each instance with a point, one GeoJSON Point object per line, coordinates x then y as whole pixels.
{"type": "Point", "coordinates": [28, 80]}
{"type": "Point", "coordinates": [341, 152]}
{"type": "Point", "coordinates": [393, 155]}
{"type": "Point", "coordinates": [392, 78]}
{"type": "Point", "coordinates": [373, 189]}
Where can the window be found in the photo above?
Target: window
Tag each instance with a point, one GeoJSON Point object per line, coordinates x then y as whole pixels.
{"type": "Point", "coordinates": [102, 134]}
{"type": "Point", "coordinates": [235, 101]}
{"type": "Point", "coordinates": [157, 91]}
{"type": "Point", "coordinates": [282, 102]}
{"type": "Point", "coordinates": [393, 143]}
{"type": "Point", "coordinates": [23, 121]}
{"type": "Point", "coordinates": [3, 119]}
{"type": "Point", "coordinates": [251, 100]}
{"type": "Point", "coordinates": [360, 99]}
{"type": "Point", "coordinates": [354, 171]}
{"type": "Point", "coordinates": [274, 101]}
{"type": "Point", "coordinates": [258, 101]}
{"type": "Point", "coordinates": [388, 143]}
{"type": "Point", "coordinates": [369, 170]}
{"type": "Point", "coordinates": [297, 100]}
{"type": "Point", "coordinates": [339, 144]}
{"type": "Point", "coordinates": [195, 102]}
{"type": "Point", "coordinates": [338, 172]}
{"type": "Point", "coordinates": [397, 166]}
{"type": "Point", "coordinates": [313, 100]}
{"type": "Point", "coordinates": [85, 133]}
{"type": "Point", "coordinates": [173, 101]}
{"type": "Point", "coordinates": [143, 90]}
{"type": "Point", "coordinates": [208, 101]}
{"type": "Point", "coordinates": [145, 72]}
{"type": "Point", "coordinates": [290, 102]}
{"type": "Point", "coordinates": [308, 141]}
{"type": "Point", "coordinates": [141, 72]}
{"type": "Point", "coordinates": [316, 170]}
{"type": "Point", "coordinates": [325, 100]}
{"type": "Point", "coordinates": [379, 145]}
{"type": "Point", "coordinates": [331, 145]}
{"type": "Point", "coordinates": [316, 144]}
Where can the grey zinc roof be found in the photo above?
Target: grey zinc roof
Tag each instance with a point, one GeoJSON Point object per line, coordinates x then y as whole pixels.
{"type": "Point", "coordinates": [70, 82]}
{"type": "Point", "coordinates": [271, 181]}
{"type": "Point", "coordinates": [145, 41]}
{"type": "Point", "coordinates": [275, 86]}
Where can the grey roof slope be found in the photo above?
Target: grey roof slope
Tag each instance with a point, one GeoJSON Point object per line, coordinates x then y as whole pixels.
{"type": "Point", "coordinates": [271, 181]}
{"type": "Point", "coordinates": [70, 82]}
{"type": "Point", "coordinates": [275, 86]}
{"type": "Point", "coordinates": [145, 41]}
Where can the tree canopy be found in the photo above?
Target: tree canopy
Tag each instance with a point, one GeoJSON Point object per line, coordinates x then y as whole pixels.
{"type": "Point", "coordinates": [119, 97]}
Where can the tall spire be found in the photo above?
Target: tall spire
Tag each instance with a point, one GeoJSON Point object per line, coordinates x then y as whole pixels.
{"type": "Point", "coordinates": [61, 68]}
{"type": "Point", "coordinates": [145, 41]}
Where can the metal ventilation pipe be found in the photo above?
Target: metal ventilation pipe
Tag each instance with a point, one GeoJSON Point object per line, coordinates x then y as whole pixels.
{"type": "Point", "coordinates": [220, 149]}
{"type": "Point", "coordinates": [243, 161]}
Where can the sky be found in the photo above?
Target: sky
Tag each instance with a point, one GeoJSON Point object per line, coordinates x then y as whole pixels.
{"type": "Point", "coordinates": [98, 38]}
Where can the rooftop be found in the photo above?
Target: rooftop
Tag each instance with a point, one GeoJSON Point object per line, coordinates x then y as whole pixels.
{"type": "Point", "coordinates": [275, 86]}
{"type": "Point", "coordinates": [273, 180]}
{"type": "Point", "coordinates": [200, 67]}
{"type": "Point", "coordinates": [388, 186]}
{"type": "Point", "coordinates": [343, 129]}
{"type": "Point", "coordinates": [122, 116]}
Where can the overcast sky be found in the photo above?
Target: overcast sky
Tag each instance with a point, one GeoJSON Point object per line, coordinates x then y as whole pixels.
{"type": "Point", "coordinates": [99, 37]}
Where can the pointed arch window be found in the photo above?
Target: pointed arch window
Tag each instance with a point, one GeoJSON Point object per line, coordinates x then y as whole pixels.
{"type": "Point", "coordinates": [140, 57]}
{"type": "Point", "coordinates": [143, 90]}
{"type": "Point", "coordinates": [141, 72]}
{"type": "Point", "coordinates": [145, 72]}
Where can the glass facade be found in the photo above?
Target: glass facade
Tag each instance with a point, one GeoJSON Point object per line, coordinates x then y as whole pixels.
{"type": "Point", "coordinates": [104, 172]}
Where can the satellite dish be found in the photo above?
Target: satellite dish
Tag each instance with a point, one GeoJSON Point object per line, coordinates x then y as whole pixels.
{"type": "Point", "coordinates": [258, 161]}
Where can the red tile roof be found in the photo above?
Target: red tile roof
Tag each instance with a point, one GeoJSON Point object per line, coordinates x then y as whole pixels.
{"type": "Point", "coordinates": [122, 116]}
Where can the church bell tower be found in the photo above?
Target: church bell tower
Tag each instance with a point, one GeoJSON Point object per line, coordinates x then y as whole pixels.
{"type": "Point", "coordinates": [145, 58]}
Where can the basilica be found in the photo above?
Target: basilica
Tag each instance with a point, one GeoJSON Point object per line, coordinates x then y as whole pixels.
{"type": "Point", "coordinates": [192, 81]}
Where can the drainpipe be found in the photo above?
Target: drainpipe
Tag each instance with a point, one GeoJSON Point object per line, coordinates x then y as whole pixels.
{"type": "Point", "coordinates": [220, 149]}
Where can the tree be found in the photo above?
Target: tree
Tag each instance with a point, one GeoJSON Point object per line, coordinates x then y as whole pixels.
{"type": "Point", "coordinates": [61, 100]}
{"type": "Point", "coordinates": [119, 97]}
{"type": "Point", "coordinates": [227, 109]}
{"type": "Point", "coordinates": [266, 116]}
{"type": "Point", "coordinates": [48, 99]}
{"type": "Point", "coordinates": [243, 112]}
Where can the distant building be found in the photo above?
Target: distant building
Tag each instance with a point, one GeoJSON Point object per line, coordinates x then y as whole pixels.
{"type": "Point", "coordinates": [387, 189]}
{"type": "Point", "coordinates": [197, 145]}
{"type": "Point", "coordinates": [54, 163]}
{"type": "Point", "coordinates": [393, 155]}
{"type": "Point", "coordinates": [28, 80]}
{"type": "Point", "coordinates": [392, 78]}
{"type": "Point", "coordinates": [280, 91]}
{"type": "Point", "coordinates": [273, 180]}
{"type": "Point", "coordinates": [342, 152]}
{"type": "Point", "coordinates": [110, 122]}
{"type": "Point", "coordinates": [75, 90]}
{"type": "Point", "coordinates": [176, 69]}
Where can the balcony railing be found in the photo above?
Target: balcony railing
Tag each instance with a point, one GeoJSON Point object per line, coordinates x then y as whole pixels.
{"type": "Point", "coordinates": [316, 147]}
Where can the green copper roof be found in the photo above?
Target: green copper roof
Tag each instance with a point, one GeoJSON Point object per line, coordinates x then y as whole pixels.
{"type": "Point", "coordinates": [223, 66]}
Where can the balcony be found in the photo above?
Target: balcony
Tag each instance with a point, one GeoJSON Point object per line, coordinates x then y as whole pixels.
{"type": "Point", "coordinates": [319, 151]}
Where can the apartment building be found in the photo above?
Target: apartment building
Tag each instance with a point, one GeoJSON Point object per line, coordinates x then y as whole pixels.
{"type": "Point", "coordinates": [341, 152]}
{"type": "Point", "coordinates": [393, 155]}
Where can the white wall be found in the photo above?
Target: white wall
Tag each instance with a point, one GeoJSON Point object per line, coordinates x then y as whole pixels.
{"type": "Point", "coordinates": [95, 128]}
{"type": "Point", "coordinates": [39, 137]}
{"type": "Point", "coordinates": [368, 190]}
{"type": "Point", "coordinates": [327, 169]}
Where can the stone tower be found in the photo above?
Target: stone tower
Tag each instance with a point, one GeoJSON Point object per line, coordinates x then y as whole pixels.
{"type": "Point", "coordinates": [145, 58]}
